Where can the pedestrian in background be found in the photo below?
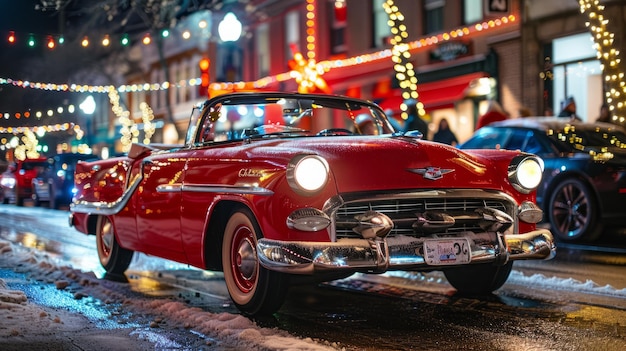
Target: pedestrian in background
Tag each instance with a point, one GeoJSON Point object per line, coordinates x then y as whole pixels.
{"type": "Point", "coordinates": [444, 134]}
{"type": "Point", "coordinates": [605, 114]}
{"type": "Point", "coordinates": [568, 109]}
{"type": "Point", "coordinates": [414, 121]}
{"type": "Point", "coordinates": [494, 113]}
{"type": "Point", "coordinates": [524, 112]}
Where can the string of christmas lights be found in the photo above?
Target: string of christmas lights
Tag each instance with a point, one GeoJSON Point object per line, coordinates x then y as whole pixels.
{"type": "Point", "coordinates": [327, 65]}
{"type": "Point", "coordinates": [55, 41]}
{"type": "Point", "coordinates": [401, 57]}
{"type": "Point", "coordinates": [609, 57]}
{"type": "Point", "coordinates": [39, 114]}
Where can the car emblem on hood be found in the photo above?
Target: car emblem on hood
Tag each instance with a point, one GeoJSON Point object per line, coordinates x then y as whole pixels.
{"type": "Point", "coordinates": [432, 173]}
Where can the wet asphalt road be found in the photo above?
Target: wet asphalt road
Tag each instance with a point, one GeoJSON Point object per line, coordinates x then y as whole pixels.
{"type": "Point", "coordinates": [574, 311]}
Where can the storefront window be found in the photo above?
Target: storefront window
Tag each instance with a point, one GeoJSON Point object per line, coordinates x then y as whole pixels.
{"type": "Point", "coordinates": [381, 28]}
{"type": "Point", "coordinates": [472, 11]}
{"type": "Point", "coordinates": [263, 50]}
{"type": "Point", "coordinates": [433, 18]}
{"type": "Point", "coordinates": [577, 73]}
{"type": "Point", "coordinates": [292, 34]}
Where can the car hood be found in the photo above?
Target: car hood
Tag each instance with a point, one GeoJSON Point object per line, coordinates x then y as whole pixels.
{"type": "Point", "coordinates": [377, 163]}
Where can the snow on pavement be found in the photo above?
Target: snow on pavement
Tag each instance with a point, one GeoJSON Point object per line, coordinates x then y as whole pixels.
{"type": "Point", "coordinates": [23, 316]}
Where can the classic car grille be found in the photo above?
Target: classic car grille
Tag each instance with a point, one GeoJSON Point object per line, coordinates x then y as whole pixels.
{"type": "Point", "coordinates": [404, 212]}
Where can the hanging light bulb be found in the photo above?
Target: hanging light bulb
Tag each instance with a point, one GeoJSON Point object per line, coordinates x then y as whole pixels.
{"type": "Point", "coordinates": [125, 41]}
{"type": "Point", "coordinates": [51, 44]}
{"type": "Point", "coordinates": [11, 37]}
{"type": "Point", "coordinates": [146, 39]}
{"type": "Point", "coordinates": [85, 42]}
{"type": "Point", "coordinates": [106, 41]}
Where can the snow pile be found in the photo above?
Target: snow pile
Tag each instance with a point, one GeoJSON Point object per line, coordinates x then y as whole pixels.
{"type": "Point", "coordinates": [230, 329]}
{"type": "Point", "coordinates": [568, 284]}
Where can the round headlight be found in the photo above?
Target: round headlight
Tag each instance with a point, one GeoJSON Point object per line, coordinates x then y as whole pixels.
{"type": "Point", "coordinates": [307, 173]}
{"type": "Point", "coordinates": [525, 173]}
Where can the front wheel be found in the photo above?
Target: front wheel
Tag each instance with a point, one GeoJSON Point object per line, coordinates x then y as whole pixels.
{"type": "Point", "coordinates": [479, 279]}
{"type": "Point", "coordinates": [254, 290]}
{"type": "Point", "coordinates": [573, 213]}
{"type": "Point", "coordinates": [114, 259]}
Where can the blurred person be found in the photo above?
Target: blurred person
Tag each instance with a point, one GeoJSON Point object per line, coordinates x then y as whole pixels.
{"type": "Point", "coordinates": [524, 112]}
{"type": "Point", "coordinates": [605, 114]}
{"type": "Point", "coordinates": [569, 109]}
{"type": "Point", "coordinates": [444, 134]}
{"type": "Point", "coordinates": [365, 125]}
{"type": "Point", "coordinates": [548, 112]}
{"type": "Point", "coordinates": [414, 121]}
{"type": "Point", "coordinates": [494, 113]}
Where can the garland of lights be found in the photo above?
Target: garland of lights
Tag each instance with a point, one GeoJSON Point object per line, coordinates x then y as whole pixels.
{"type": "Point", "coordinates": [401, 57]}
{"type": "Point", "coordinates": [39, 114]}
{"type": "Point", "coordinates": [608, 56]}
{"type": "Point", "coordinates": [29, 147]}
{"type": "Point", "coordinates": [148, 127]}
{"type": "Point", "coordinates": [123, 116]}
{"type": "Point", "coordinates": [413, 46]}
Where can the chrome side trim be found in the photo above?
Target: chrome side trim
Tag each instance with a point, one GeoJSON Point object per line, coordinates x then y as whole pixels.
{"type": "Point", "coordinates": [110, 208]}
{"type": "Point", "coordinates": [218, 188]}
{"type": "Point", "coordinates": [230, 189]}
{"type": "Point", "coordinates": [107, 208]}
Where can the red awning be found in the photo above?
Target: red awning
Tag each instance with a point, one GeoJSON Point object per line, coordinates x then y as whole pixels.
{"type": "Point", "coordinates": [433, 95]}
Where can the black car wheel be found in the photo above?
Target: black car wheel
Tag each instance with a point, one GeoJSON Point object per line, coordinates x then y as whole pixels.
{"type": "Point", "coordinates": [254, 289]}
{"type": "Point", "coordinates": [113, 258]}
{"type": "Point", "coordinates": [478, 279]}
{"type": "Point", "coordinates": [573, 212]}
{"type": "Point", "coordinates": [52, 195]}
{"type": "Point", "coordinates": [19, 201]}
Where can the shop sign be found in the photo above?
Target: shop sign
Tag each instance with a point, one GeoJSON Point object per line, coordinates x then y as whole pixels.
{"type": "Point", "coordinates": [449, 50]}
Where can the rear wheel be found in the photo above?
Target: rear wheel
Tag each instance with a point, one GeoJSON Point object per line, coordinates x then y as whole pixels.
{"type": "Point", "coordinates": [480, 278]}
{"type": "Point", "coordinates": [113, 258]}
{"type": "Point", "coordinates": [53, 204]}
{"type": "Point", "coordinates": [253, 289]}
{"type": "Point", "coordinates": [573, 212]}
{"type": "Point", "coordinates": [19, 201]}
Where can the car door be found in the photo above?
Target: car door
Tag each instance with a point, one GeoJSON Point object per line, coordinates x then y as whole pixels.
{"type": "Point", "coordinates": [157, 204]}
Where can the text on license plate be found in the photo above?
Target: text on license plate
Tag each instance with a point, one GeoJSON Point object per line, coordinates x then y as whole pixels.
{"type": "Point", "coordinates": [439, 252]}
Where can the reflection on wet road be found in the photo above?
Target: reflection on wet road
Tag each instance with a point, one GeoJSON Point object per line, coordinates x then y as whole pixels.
{"type": "Point", "coordinates": [576, 301]}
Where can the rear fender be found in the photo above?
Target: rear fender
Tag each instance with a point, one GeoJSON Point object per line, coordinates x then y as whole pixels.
{"type": "Point", "coordinates": [102, 181]}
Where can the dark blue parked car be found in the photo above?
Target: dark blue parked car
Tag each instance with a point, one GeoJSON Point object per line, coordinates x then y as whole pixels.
{"type": "Point", "coordinates": [55, 186]}
{"type": "Point", "coordinates": [584, 181]}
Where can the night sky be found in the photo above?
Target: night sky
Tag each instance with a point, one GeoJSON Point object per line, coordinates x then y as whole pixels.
{"type": "Point", "coordinates": [18, 61]}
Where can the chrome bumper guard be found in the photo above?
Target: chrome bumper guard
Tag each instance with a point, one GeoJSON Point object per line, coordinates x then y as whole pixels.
{"type": "Point", "coordinates": [396, 253]}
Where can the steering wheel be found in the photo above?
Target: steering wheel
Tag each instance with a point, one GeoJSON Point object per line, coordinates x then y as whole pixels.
{"type": "Point", "coordinates": [334, 131]}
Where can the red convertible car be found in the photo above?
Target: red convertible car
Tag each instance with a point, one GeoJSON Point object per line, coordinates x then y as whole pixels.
{"type": "Point", "coordinates": [273, 186]}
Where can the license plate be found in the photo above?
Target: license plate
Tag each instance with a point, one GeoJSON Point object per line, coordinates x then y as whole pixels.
{"type": "Point", "coordinates": [439, 252]}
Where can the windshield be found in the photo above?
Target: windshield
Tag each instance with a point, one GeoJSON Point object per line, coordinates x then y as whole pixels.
{"type": "Point", "coordinates": [250, 116]}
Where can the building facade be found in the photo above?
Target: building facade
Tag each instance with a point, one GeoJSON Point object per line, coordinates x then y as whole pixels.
{"type": "Point", "coordinates": [525, 54]}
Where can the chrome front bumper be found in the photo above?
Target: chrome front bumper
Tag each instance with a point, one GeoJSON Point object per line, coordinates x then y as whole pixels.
{"type": "Point", "coordinates": [397, 253]}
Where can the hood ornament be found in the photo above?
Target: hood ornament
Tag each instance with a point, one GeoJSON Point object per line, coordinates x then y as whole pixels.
{"type": "Point", "coordinates": [431, 173]}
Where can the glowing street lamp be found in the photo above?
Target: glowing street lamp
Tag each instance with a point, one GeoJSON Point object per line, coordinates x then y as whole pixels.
{"type": "Point", "coordinates": [229, 28]}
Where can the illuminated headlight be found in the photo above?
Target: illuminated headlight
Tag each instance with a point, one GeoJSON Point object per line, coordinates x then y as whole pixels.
{"type": "Point", "coordinates": [307, 174]}
{"type": "Point", "coordinates": [8, 182]}
{"type": "Point", "coordinates": [525, 173]}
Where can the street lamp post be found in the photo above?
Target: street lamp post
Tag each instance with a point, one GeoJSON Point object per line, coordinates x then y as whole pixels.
{"type": "Point", "coordinates": [229, 30]}
{"type": "Point", "coordinates": [88, 106]}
